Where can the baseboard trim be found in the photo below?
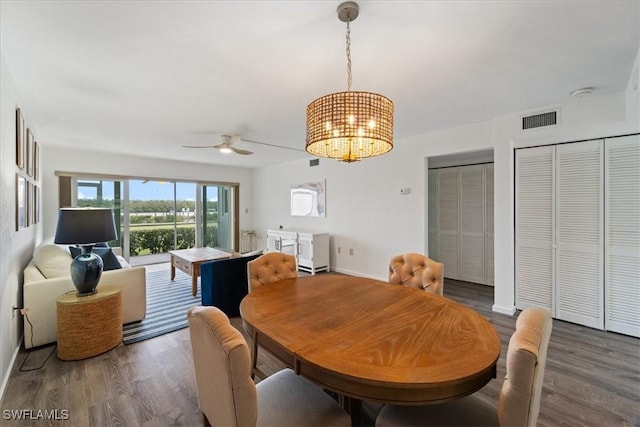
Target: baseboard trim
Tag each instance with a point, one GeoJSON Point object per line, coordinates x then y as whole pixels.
{"type": "Point", "coordinates": [7, 374]}
{"type": "Point", "coordinates": [509, 310]}
{"type": "Point", "coordinates": [355, 273]}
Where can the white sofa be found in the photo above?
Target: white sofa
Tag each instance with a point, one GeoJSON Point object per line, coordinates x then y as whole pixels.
{"type": "Point", "coordinates": [48, 276]}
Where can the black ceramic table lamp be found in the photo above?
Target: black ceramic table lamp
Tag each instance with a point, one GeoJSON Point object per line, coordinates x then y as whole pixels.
{"type": "Point", "coordinates": [85, 227]}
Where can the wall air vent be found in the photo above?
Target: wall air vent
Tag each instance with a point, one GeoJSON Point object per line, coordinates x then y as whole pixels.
{"type": "Point", "coordinates": [540, 120]}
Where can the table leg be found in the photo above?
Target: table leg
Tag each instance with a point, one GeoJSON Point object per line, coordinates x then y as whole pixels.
{"type": "Point", "coordinates": [354, 408]}
{"type": "Point", "coordinates": [173, 269]}
{"type": "Point", "coordinates": [194, 284]}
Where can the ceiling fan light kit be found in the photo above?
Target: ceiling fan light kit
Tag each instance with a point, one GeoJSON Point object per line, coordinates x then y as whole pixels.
{"type": "Point", "coordinates": [352, 125]}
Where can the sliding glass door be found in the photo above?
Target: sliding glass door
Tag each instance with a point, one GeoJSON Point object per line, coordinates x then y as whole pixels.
{"type": "Point", "coordinates": [102, 194]}
{"type": "Point", "coordinates": [161, 218]}
{"type": "Point", "coordinates": [154, 217]}
{"type": "Point", "coordinates": [185, 225]}
{"type": "Point", "coordinates": [217, 219]}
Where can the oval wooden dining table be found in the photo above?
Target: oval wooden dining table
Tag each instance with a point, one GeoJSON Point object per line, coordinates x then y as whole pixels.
{"type": "Point", "coordinates": [370, 340]}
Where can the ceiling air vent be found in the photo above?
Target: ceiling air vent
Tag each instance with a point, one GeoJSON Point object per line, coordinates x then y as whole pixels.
{"type": "Point", "coordinates": [314, 162]}
{"type": "Point", "coordinates": [540, 120]}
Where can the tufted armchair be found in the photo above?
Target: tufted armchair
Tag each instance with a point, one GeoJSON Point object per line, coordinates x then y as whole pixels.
{"type": "Point", "coordinates": [417, 271]}
{"type": "Point", "coordinates": [520, 396]}
{"type": "Point", "coordinates": [269, 268]}
{"type": "Point", "coordinates": [228, 397]}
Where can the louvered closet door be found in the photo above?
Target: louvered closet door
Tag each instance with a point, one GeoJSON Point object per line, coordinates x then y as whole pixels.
{"type": "Point", "coordinates": [534, 227]}
{"type": "Point", "coordinates": [432, 212]}
{"type": "Point", "coordinates": [579, 233]}
{"type": "Point", "coordinates": [622, 235]}
{"type": "Point", "coordinates": [447, 239]}
{"type": "Point", "coordinates": [471, 243]}
{"type": "Point", "coordinates": [488, 226]}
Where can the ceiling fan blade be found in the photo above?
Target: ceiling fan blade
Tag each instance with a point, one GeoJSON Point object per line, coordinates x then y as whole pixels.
{"type": "Point", "coordinates": [201, 146]}
{"type": "Point", "coordinates": [241, 151]}
{"type": "Point", "coordinates": [226, 146]}
{"type": "Point", "coordinates": [223, 145]}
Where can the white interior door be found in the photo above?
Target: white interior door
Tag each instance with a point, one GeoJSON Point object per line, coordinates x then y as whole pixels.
{"type": "Point", "coordinates": [471, 243]}
{"type": "Point", "coordinates": [579, 233]}
{"type": "Point", "coordinates": [622, 235]}
{"type": "Point", "coordinates": [488, 226]}
{"type": "Point", "coordinates": [447, 240]}
{"type": "Point", "coordinates": [534, 227]}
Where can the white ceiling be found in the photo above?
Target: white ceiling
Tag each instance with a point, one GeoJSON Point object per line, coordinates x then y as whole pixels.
{"type": "Point", "coordinates": [146, 77]}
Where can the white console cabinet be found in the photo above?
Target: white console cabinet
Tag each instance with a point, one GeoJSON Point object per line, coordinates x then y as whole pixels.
{"type": "Point", "coordinates": [310, 249]}
{"type": "Point", "coordinates": [282, 241]}
{"type": "Point", "coordinates": [313, 252]}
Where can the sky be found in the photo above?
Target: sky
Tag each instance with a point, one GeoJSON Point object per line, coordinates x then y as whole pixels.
{"type": "Point", "coordinates": [150, 190]}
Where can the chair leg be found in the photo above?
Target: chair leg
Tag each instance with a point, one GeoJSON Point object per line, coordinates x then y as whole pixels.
{"type": "Point", "coordinates": [254, 356]}
{"type": "Point", "coordinates": [205, 420]}
{"type": "Point", "coordinates": [254, 359]}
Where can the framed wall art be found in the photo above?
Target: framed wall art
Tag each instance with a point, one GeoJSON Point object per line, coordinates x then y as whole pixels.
{"type": "Point", "coordinates": [36, 204]}
{"type": "Point", "coordinates": [308, 199]}
{"type": "Point", "coordinates": [29, 153]}
{"type": "Point", "coordinates": [20, 139]}
{"type": "Point", "coordinates": [21, 202]}
{"type": "Point", "coordinates": [29, 203]}
{"type": "Point", "coordinates": [36, 161]}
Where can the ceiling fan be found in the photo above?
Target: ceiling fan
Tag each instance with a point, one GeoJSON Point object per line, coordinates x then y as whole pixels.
{"type": "Point", "coordinates": [226, 146]}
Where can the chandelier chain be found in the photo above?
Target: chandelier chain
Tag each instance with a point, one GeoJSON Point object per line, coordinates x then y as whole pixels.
{"type": "Point", "coordinates": [348, 55]}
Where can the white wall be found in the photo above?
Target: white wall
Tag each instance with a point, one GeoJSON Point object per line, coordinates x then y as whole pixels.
{"type": "Point", "coordinates": [93, 162]}
{"type": "Point", "coordinates": [366, 212]}
{"type": "Point", "coordinates": [16, 247]}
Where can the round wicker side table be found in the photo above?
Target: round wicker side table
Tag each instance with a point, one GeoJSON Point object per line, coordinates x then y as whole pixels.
{"type": "Point", "coordinates": [88, 326]}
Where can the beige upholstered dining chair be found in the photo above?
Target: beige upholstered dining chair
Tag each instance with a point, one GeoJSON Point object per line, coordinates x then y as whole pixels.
{"type": "Point", "coordinates": [226, 393]}
{"type": "Point", "coordinates": [271, 267]}
{"type": "Point", "coordinates": [268, 268]}
{"type": "Point", "coordinates": [417, 271]}
{"type": "Point", "coordinates": [519, 399]}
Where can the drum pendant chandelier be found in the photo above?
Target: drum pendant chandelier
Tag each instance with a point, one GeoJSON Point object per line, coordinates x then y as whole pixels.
{"type": "Point", "coordinates": [349, 126]}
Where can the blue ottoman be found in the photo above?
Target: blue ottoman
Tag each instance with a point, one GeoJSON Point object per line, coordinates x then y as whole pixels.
{"type": "Point", "coordinates": [223, 283]}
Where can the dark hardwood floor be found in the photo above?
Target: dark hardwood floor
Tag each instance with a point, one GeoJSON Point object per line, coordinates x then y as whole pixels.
{"type": "Point", "coordinates": [592, 378]}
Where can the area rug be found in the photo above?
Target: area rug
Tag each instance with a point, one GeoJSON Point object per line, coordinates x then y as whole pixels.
{"type": "Point", "coordinates": [167, 305]}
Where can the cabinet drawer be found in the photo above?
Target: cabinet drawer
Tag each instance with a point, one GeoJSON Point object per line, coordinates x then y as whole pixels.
{"type": "Point", "coordinates": [182, 265]}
